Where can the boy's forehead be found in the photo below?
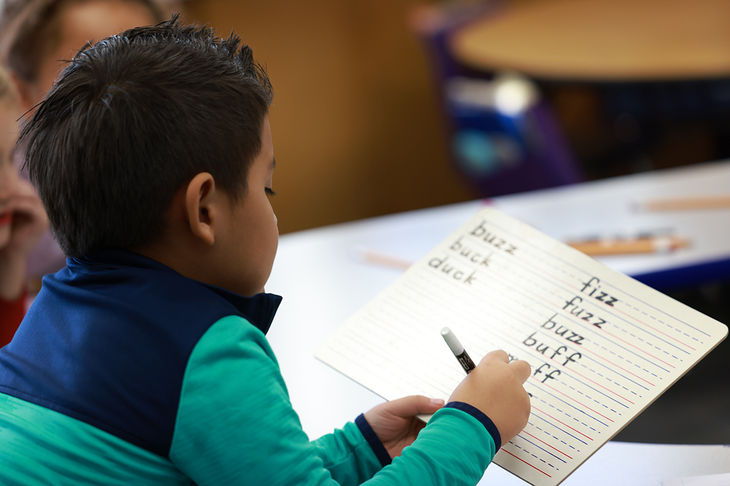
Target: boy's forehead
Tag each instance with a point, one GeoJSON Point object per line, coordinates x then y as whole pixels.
{"type": "Point", "coordinates": [263, 165]}
{"type": "Point", "coordinates": [267, 148]}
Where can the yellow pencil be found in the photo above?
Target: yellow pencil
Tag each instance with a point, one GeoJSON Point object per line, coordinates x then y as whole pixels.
{"type": "Point", "coordinates": [653, 244]}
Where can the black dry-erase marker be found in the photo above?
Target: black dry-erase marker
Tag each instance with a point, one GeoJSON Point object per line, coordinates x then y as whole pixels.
{"type": "Point", "coordinates": [458, 350]}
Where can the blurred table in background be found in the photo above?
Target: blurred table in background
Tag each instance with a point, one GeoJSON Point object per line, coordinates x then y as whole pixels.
{"type": "Point", "coordinates": [601, 40]}
{"type": "Point", "coordinates": [633, 85]}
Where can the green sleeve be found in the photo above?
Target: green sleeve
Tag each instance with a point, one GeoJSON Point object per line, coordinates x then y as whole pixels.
{"type": "Point", "coordinates": [347, 455]}
{"type": "Point", "coordinates": [454, 448]}
{"type": "Point", "coordinates": [235, 425]}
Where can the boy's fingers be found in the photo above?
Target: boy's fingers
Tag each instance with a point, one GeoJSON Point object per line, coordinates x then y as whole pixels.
{"type": "Point", "coordinates": [496, 355]}
{"type": "Point", "coordinates": [521, 369]}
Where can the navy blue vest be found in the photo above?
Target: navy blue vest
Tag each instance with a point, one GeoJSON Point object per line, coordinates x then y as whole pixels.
{"type": "Point", "coordinates": [108, 338]}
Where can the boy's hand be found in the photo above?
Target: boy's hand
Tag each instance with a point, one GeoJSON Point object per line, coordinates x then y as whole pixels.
{"type": "Point", "coordinates": [495, 388]}
{"type": "Point", "coordinates": [395, 422]}
{"type": "Point", "coordinates": [29, 221]}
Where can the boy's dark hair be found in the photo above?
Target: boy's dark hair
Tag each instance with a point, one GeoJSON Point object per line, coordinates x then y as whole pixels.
{"type": "Point", "coordinates": [30, 30]}
{"type": "Point", "coordinates": [131, 120]}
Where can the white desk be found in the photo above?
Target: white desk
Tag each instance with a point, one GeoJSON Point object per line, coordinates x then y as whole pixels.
{"type": "Point", "coordinates": [323, 282]}
{"type": "Point", "coordinates": [613, 207]}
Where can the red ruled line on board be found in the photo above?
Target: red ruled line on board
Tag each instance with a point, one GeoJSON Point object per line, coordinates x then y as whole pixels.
{"type": "Point", "coordinates": [579, 403]}
{"type": "Point", "coordinates": [531, 465]}
{"type": "Point", "coordinates": [552, 447]}
{"type": "Point", "coordinates": [655, 329]}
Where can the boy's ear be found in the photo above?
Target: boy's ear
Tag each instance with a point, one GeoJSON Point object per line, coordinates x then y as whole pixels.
{"type": "Point", "coordinates": [200, 208]}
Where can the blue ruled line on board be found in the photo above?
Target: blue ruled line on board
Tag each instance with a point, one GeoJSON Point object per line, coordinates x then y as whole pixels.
{"type": "Point", "coordinates": [559, 428]}
{"type": "Point", "coordinates": [573, 406]}
{"type": "Point", "coordinates": [541, 448]}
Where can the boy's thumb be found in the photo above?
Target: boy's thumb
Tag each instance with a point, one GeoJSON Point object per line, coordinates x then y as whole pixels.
{"type": "Point", "coordinates": [415, 404]}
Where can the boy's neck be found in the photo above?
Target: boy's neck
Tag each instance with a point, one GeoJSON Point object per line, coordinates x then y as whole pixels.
{"type": "Point", "coordinates": [187, 262]}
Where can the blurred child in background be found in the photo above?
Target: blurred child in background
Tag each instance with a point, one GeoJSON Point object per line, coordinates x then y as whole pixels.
{"type": "Point", "coordinates": [22, 219]}
{"type": "Point", "coordinates": [37, 37]}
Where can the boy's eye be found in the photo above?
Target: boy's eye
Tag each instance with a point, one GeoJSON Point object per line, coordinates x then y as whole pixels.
{"type": "Point", "coordinates": [270, 191]}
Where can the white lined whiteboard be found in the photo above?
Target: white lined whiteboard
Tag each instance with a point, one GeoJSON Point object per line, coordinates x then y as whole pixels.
{"type": "Point", "coordinates": [602, 346]}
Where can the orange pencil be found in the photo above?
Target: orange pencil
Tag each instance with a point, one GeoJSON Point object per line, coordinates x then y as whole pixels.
{"type": "Point", "coordinates": [384, 260]}
{"type": "Point", "coordinates": [688, 203]}
{"type": "Point", "coordinates": [653, 244]}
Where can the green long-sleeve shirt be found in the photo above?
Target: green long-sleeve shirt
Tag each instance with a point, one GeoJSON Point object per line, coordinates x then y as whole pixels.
{"type": "Point", "coordinates": [231, 421]}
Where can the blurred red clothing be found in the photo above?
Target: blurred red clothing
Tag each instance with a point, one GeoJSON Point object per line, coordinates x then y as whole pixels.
{"type": "Point", "coordinates": [11, 313]}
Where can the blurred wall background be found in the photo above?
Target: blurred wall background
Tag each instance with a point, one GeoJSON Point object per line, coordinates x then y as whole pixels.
{"type": "Point", "coordinates": [357, 122]}
{"type": "Point", "coordinates": [355, 119]}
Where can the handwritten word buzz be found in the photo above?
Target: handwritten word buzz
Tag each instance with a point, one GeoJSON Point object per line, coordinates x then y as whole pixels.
{"type": "Point", "coordinates": [481, 232]}
{"type": "Point", "coordinates": [562, 330]}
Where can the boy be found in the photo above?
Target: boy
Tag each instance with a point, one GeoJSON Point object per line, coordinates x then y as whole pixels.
{"type": "Point", "coordinates": [144, 361]}
{"type": "Point", "coordinates": [22, 219]}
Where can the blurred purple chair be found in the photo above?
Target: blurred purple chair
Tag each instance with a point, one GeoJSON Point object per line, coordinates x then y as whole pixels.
{"type": "Point", "coordinates": [503, 136]}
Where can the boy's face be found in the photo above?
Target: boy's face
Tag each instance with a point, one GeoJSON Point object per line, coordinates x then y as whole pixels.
{"type": "Point", "coordinates": [8, 173]}
{"type": "Point", "coordinates": [250, 241]}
